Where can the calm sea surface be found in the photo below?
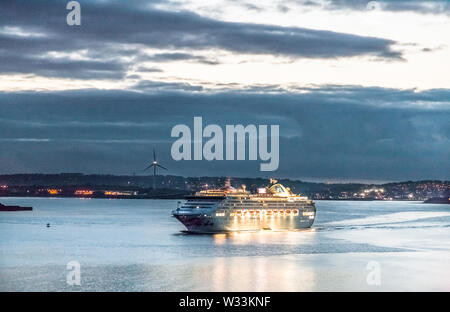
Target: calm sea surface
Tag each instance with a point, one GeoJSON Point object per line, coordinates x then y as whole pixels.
{"type": "Point", "coordinates": [135, 245]}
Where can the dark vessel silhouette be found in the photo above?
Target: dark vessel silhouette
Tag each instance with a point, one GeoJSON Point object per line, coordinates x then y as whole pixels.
{"type": "Point", "coordinates": [14, 208]}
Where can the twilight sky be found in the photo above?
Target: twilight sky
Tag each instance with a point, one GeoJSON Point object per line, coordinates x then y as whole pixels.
{"type": "Point", "coordinates": [361, 90]}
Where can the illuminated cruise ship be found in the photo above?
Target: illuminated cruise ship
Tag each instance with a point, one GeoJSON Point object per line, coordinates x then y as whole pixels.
{"type": "Point", "coordinates": [228, 209]}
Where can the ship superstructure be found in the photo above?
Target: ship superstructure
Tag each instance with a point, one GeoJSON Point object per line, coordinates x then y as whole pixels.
{"type": "Point", "coordinates": [229, 209]}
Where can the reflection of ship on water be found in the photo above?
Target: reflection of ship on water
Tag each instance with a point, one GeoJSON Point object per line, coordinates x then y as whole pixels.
{"type": "Point", "coordinates": [228, 209]}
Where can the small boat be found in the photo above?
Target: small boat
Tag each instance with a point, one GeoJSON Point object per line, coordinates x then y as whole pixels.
{"type": "Point", "coordinates": [14, 208]}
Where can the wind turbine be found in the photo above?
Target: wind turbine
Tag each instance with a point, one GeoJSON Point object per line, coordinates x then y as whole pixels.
{"type": "Point", "coordinates": [154, 164]}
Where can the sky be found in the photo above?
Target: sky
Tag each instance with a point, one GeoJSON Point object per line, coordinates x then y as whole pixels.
{"type": "Point", "coordinates": [359, 89]}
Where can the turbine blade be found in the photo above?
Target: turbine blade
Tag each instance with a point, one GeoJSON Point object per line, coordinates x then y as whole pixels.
{"type": "Point", "coordinates": [158, 165]}
{"type": "Point", "coordinates": [154, 155]}
{"type": "Point", "coordinates": [151, 165]}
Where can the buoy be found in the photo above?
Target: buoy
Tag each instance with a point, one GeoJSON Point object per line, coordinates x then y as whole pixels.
{"type": "Point", "coordinates": [48, 224]}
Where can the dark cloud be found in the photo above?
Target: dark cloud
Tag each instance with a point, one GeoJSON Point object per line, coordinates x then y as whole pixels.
{"type": "Point", "coordinates": [146, 69]}
{"type": "Point", "coordinates": [178, 56]}
{"type": "Point", "coordinates": [61, 67]}
{"type": "Point", "coordinates": [152, 86]}
{"type": "Point", "coordinates": [427, 49]}
{"type": "Point", "coordinates": [282, 8]}
{"type": "Point", "coordinates": [252, 7]}
{"type": "Point", "coordinates": [341, 132]}
{"type": "Point", "coordinates": [418, 6]}
{"type": "Point", "coordinates": [111, 30]}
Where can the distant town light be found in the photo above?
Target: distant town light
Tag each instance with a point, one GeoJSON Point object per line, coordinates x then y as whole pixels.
{"type": "Point", "coordinates": [84, 192]}
{"type": "Point", "coordinates": [120, 193]}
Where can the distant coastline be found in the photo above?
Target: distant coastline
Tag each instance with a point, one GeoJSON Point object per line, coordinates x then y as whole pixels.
{"type": "Point", "coordinates": [79, 185]}
{"type": "Point", "coordinates": [168, 196]}
{"type": "Point", "coordinates": [438, 200]}
{"type": "Point", "coordinates": [434, 200]}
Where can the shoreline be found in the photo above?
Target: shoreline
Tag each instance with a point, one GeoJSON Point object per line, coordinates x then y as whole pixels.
{"type": "Point", "coordinates": [173, 197]}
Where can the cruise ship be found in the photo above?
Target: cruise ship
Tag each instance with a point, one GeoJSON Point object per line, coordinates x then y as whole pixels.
{"type": "Point", "coordinates": [232, 210]}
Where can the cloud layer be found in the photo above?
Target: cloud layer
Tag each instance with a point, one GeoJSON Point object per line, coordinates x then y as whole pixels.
{"type": "Point", "coordinates": [327, 131]}
{"type": "Point", "coordinates": [417, 6]}
{"type": "Point", "coordinates": [35, 39]}
{"type": "Point", "coordinates": [346, 132]}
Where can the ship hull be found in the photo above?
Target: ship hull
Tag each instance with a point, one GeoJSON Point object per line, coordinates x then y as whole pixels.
{"type": "Point", "coordinates": [246, 220]}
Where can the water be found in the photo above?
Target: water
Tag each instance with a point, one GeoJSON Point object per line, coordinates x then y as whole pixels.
{"type": "Point", "coordinates": [135, 245]}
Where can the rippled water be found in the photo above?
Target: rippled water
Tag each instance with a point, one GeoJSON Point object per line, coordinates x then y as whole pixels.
{"type": "Point", "coordinates": [135, 245]}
